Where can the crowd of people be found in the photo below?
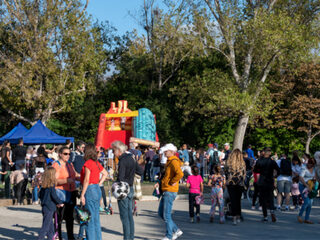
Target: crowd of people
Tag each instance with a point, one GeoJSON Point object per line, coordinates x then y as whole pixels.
{"type": "Point", "coordinates": [59, 176]}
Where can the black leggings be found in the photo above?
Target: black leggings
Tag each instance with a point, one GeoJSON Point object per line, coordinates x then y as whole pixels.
{"type": "Point", "coordinates": [266, 199]}
{"type": "Point", "coordinates": [235, 193]}
{"type": "Point", "coordinates": [296, 200]}
{"type": "Point", "coordinates": [192, 204]}
{"type": "Point", "coordinates": [20, 190]}
{"type": "Point", "coordinates": [256, 194]}
{"type": "Point", "coordinates": [66, 213]}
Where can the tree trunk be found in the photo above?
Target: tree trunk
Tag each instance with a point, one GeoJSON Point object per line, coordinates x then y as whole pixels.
{"type": "Point", "coordinates": [240, 131]}
{"type": "Point", "coordinates": [309, 139]}
{"type": "Point", "coordinates": [308, 145]}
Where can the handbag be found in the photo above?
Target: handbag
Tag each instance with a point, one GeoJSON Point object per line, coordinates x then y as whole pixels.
{"type": "Point", "coordinates": [199, 200]}
{"type": "Point", "coordinates": [137, 187]}
{"type": "Point", "coordinates": [63, 195]}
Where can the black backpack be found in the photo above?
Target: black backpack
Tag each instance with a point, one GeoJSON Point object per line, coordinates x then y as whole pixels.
{"type": "Point", "coordinates": [214, 159]}
{"type": "Point", "coordinates": [285, 167]}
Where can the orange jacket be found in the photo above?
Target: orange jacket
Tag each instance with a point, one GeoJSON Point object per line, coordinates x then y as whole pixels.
{"type": "Point", "coordinates": [173, 174]}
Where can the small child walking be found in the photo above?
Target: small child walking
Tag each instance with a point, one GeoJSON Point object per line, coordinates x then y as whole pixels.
{"type": "Point", "coordinates": [195, 185]}
{"type": "Point", "coordinates": [217, 182]}
{"type": "Point", "coordinates": [49, 202]}
{"type": "Point", "coordinates": [36, 184]}
{"type": "Point", "coordinates": [296, 196]}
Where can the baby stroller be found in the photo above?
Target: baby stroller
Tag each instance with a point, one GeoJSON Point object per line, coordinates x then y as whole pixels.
{"type": "Point", "coordinates": [186, 169]}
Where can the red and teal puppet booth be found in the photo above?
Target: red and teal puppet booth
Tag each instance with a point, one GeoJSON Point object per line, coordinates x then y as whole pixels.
{"type": "Point", "coordinates": [120, 123]}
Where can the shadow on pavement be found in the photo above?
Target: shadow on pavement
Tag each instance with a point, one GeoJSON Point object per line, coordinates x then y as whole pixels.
{"type": "Point", "coordinates": [24, 209]}
{"type": "Point", "coordinates": [23, 233]}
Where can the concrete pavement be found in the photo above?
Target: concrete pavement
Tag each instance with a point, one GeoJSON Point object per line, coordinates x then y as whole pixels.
{"type": "Point", "coordinates": [24, 222]}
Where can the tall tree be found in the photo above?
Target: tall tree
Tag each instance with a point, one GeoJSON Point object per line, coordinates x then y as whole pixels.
{"type": "Point", "coordinates": [168, 38]}
{"type": "Point", "coordinates": [253, 36]}
{"type": "Point", "coordinates": [50, 55]}
{"type": "Point", "coordinates": [298, 98]}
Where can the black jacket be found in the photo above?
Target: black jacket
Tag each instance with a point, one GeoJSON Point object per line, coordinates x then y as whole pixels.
{"type": "Point", "coordinates": [19, 153]}
{"type": "Point", "coordinates": [266, 168]}
{"type": "Point", "coordinates": [78, 163]}
{"type": "Point", "coordinates": [127, 168]}
{"type": "Point", "coordinates": [49, 198]}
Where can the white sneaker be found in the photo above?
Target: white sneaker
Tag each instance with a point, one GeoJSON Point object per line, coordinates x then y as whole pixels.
{"type": "Point", "coordinates": [253, 208]}
{"type": "Point", "coordinates": [177, 234]}
{"type": "Point", "coordinates": [165, 238]}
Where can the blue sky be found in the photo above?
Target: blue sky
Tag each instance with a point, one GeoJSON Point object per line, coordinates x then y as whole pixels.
{"type": "Point", "coordinates": [117, 13]}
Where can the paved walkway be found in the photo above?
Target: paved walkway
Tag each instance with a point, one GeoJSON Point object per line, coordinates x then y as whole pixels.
{"type": "Point", "coordinates": [24, 223]}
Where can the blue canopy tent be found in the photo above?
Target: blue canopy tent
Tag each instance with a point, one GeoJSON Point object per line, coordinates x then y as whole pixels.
{"type": "Point", "coordinates": [15, 134]}
{"type": "Point", "coordinates": [40, 134]}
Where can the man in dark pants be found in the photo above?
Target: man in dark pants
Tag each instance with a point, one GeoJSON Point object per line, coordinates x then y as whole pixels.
{"type": "Point", "coordinates": [19, 155]}
{"type": "Point", "coordinates": [266, 167]}
{"type": "Point", "coordinates": [127, 169]}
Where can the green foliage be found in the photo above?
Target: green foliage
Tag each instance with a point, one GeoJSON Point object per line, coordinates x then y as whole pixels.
{"type": "Point", "coordinates": [50, 54]}
{"type": "Point", "coordinates": [281, 140]}
{"type": "Point", "coordinates": [179, 69]}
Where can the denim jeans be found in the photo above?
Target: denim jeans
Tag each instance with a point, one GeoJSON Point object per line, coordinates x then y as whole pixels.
{"type": "Point", "coordinates": [165, 209]}
{"type": "Point", "coordinates": [154, 172]}
{"type": "Point", "coordinates": [126, 215]}
{"type": "Point", "coordinates": [93, 196]}
{"type": "Point", "coordinates": [307, 203]}
{"type": "Point", "coordinates": [35, 194]}
{"type": "Point", "coordinates": [19, 163]}
{"type": "Point", "coordinates": [83, 228]}
{"type": "Point", "coordinates": [47, 228]}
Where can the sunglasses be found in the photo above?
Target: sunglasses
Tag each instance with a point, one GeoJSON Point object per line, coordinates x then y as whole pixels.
{"type": "Point", "coordinates": [66, 154]}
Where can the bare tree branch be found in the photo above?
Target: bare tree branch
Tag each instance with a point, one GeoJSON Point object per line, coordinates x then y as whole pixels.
{"type": "Point", "coordinates": [267, 67]}
{"type": "Point", "coordinates": [271, 4]}
{"type": "Point", "coordinates": [314, 135]}
{"type": "Point", "coordinates": [222, 52]}
{"type": "Point", "coordinates": [58, 110]}
{"type": "Point", "coordinates": [85, 7]}
{"type": "Point", "coordinates": [247, 67]}
{"type": "Point", "coordinates": [19, 116]}
{"type": "Point", "coordinates": [264, 76]}
{"type": "Point", "coordinates": [223, 27]}
{"type": "Point", "coordinates": [175, 69]}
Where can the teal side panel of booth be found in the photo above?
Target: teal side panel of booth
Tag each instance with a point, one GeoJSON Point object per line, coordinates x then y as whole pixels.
{"type": "Point", "coordinates": [144, 126]}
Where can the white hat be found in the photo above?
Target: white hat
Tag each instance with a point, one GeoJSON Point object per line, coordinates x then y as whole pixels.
{"type": "Point", "coordinates": [227, 144]}
{"type": "Point", "coordinates": [168, 147]}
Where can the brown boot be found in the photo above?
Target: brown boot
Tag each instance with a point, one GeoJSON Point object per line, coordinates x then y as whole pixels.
{"type": "Point", "coordinates": [300, 219]}
{"type": "Point", "coordinates": [308, 222]}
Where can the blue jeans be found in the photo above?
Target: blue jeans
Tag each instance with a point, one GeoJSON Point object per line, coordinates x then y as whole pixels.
{"type": "Point", "coordinates": [83, 228]}
{"type": "Point", "coordinates": [165, 208]}
{"type": "Point", "coordinates": [307, 203]}
{"type": "Point", "coordinates": [126, 215]}
{"type": "Point", "coordinates": [47, 228]}
{"type": "Point", "coordinates": [154, 172]}
{"type": "Point", "coordinates": [35, 194]}
{"type": "Point", "coordinates": [19, 163]}
{"type": "Point", "coordinates": [93, 196]}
